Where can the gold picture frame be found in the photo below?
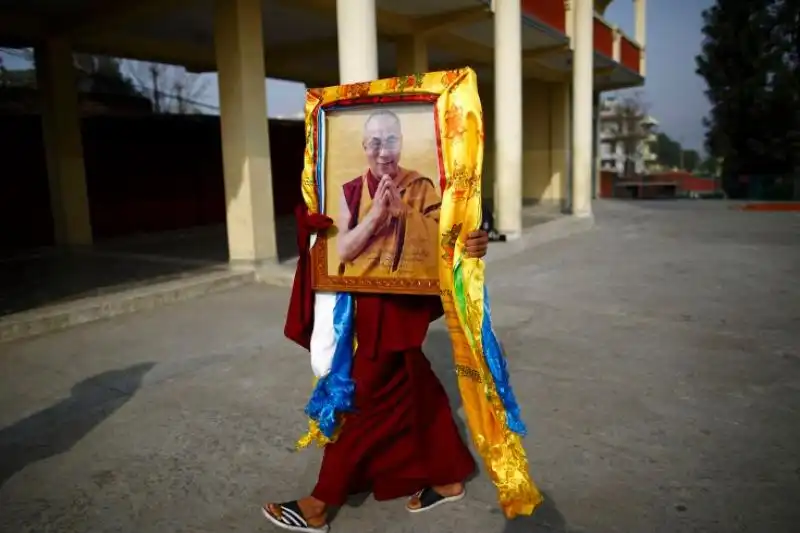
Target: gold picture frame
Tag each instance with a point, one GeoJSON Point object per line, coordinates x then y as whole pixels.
{"type": "Point", "coordinates": [446, 144]}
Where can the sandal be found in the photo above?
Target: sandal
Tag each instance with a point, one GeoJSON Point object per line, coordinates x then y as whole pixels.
{"type": "Point", "coordinates": [429, 498]}
{"type": "Point", "coordinates": [290, 517]}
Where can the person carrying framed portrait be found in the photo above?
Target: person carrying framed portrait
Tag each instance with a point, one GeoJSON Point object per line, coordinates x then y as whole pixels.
{"type": "Point", "coordinates": [389, 241]}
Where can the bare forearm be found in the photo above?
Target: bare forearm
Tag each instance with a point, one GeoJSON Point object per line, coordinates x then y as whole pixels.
{"type": "Point", "coordinates": [353, 242]}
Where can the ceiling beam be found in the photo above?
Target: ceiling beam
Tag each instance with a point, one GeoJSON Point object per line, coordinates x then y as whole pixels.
{"type": "Point", "coordinates": [320, 6]}
{"type": "Point", "coordinates": [389, 24]}
{"type": "Point", "coordinates": [448, 20]}
{"type": "Point", "coordinates": [534, 70]}
{"type": "Point", "coordinates": [434, 27]}
{"type": "Point", "coordinates": [602, 87]}
{"type": "Point", "coordinates": [545, 52]}
{"type": "Point", "coordinates": [103, 16]}
{"type": "Point", "coordinates": [21, 29]}
{"type": "Point", "coordinates": [299, 50]}
{"type": "Point", "coordinates": [191, 56]}
{"type": "Point", "coordinates": [281, 59]}
{"type": "Point", "coordinates": [462, 47]}
{"type": "Point", "coordinates": [199, 59]}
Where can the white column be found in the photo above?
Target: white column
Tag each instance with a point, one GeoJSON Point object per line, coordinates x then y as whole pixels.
{"type": "Point", "coordinates": [412, 55]}
{"type": "Point", "coordinates": [508, 116]}
{"type": "Point", "coordinates": [640, 29]}
{"type": "Point", "coordinates": [61, 127]}
{"type": "Point", "coordinates": [239, 45]}
{"type": "Point", "coordinates": [358, 40]}
{"type": "Point", "coordinates": [582, 89]}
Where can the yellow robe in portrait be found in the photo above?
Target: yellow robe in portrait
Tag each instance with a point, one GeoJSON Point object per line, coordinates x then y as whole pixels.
{"type": "Point", "coordinates": [406, 246]}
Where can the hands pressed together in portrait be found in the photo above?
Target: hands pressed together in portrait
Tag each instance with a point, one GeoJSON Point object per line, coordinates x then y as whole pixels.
{"type": "Point", "coordinates": [387, 202]}
{"type": "Point", "coordinates": [388, 205]}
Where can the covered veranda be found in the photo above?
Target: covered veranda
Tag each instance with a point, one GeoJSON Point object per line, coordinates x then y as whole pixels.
{"type": "Point", "coordinates": [528, 55]}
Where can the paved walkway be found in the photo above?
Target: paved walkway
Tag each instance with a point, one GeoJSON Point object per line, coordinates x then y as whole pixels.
{"type": "Point", "coordinates": [656, 358]}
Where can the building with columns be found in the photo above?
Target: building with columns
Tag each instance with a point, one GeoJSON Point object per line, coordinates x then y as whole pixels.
{"type": "Point", "coordinates": [540, 64]}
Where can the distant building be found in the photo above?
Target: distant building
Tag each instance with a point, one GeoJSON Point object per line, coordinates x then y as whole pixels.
{"type": "Point", "coordinates": [626, 138]}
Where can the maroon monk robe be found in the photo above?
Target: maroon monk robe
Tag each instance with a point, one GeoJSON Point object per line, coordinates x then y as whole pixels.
{"type": "Point", "coordinates": [401, 437]}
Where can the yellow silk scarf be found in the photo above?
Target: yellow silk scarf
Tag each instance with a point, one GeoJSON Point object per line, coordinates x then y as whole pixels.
{"type": "Point", "coordinates": [461, 277]}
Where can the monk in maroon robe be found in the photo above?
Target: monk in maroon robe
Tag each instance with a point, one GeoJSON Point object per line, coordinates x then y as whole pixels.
{"type": "Point", "coordinates": [401, 439]}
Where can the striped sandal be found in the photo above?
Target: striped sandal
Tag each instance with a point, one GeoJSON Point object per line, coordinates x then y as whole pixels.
{"type": "Point", "coordinates": [288, 516]}
{"type": "Point", "coordinates": [430, 499]}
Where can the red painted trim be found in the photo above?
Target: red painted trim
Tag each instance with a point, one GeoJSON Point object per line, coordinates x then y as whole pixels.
{"type": "Point", "coordinates": [551, 12]}
{"type": "Point", "coordinates": [771, 207]}
{"type": "Point", "coordinates": [606, 184]}
{"type": "Point", "coordinates": [603, 39]}
{"type": "Point", "coordinates": [427, 98]}
{"type": "Point", "coordinates": [630, 54]}
{"type": "Point", "coordinates": [439, 152]}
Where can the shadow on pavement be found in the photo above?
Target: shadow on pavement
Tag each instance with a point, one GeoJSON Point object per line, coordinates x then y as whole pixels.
{"type": "Point", "coordinates": [58, 428]}
{"type": "Point", "coordinates": [546, 519]}
{"type": "Point", "coordinates": [355, 501]}
{"type": "Point", "coordinates": [439, 351]}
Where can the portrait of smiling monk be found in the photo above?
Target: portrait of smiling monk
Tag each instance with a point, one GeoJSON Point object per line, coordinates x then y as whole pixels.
{"type": "Point", "coordinates": [389, 216]}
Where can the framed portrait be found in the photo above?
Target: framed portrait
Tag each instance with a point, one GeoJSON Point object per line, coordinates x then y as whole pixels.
{"type": "Point", "coordinates": [384, 160]}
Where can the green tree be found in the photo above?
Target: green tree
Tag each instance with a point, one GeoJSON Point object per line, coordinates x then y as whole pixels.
{"type": "Point", "coordinates": [709, 167]}
{"type": "Point", "coordinates": [690, 161]}
{"type": "Point", "coordinates": [749, 62]}
{"type": "Point", "coordinates": [668, 151]}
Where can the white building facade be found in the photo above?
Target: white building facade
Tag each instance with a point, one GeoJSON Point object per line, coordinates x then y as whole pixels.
{"type": "Point", "coordinates": [626, 139]}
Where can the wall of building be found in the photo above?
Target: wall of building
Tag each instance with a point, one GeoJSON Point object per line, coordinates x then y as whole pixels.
{"type": "Point", "coordinates": [615, 124]}
{"type": "Point", "coordinates": [537, 185]}
{"type": "Point", "coordinates": [560, 144]}
{"type": "Point", "coordinates": [144, 174]}
{"type": "Point", "coordinates": [486, 92]}
{"type": "Point", "coordinates": [164, 172]}
{"type": "Point", "coordinates": [545, 142]}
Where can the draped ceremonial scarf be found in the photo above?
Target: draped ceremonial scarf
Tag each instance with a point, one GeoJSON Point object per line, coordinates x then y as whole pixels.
{"type": "Point", "coordinates": [326, 329]}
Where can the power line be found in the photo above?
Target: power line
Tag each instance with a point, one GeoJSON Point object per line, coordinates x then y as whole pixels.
{"type": "Point", "coordinates": [14, 52]}
{"type": "Point", "coordinates": [128, 79]}
{"type": "Point", "coordinates": [160, 94]}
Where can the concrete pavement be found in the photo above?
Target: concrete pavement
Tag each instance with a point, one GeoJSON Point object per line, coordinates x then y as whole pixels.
{"type": "Point", "coordinates": [656, 358]}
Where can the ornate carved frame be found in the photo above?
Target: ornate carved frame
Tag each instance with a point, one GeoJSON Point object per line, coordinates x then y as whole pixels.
{"type": "Point", "coordinates": [434, 88]}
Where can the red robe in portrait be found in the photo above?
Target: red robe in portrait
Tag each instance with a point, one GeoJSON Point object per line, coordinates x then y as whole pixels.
{"type": "Point", "coordinates": [401, 437]}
